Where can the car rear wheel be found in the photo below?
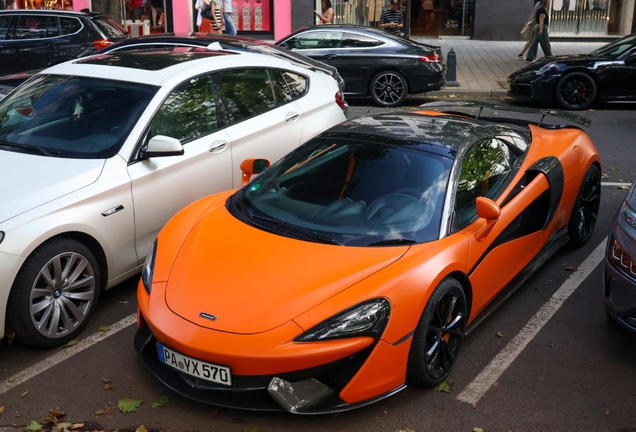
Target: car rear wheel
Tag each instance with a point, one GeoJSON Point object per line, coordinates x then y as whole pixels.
{"type": "Point", "coordinates": [576, 91]}
{"type": "Point", "coordinates": [54, 294]}
{"type": "Point", "coordinates": [438, 336]}
{"type": "Point", "coordinates": [586, 206]}
{"type": "Point", "coordinates": [388, 88]}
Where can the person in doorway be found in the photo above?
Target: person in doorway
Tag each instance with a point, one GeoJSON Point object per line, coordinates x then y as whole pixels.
{"type": "Point", "coordinates": [230, 28]}
{"type": "Point", "coordinates": [326, 14]}
{"type": "Point", "coordinates": [428, 6]}
{"type": "Point", "coordinates": [540, 35]}
{"type": "Point", "coordinates": [136, 7]}
{"type": "Point", "coordinates": [157, 6]}
{"type": "Point", "coordinates": [198, 6]}
{"type": "Point", "coordinates": [392, 19]}
{"type": "Point", "coordinates": [528, 29]}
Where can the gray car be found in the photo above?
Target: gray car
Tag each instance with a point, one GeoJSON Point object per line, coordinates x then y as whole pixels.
{"type": "Point", "coordinates": [619, 278]}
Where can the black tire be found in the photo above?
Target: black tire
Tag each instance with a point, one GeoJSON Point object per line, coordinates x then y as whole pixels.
{"type": "Point", "coordinates": [440, 332]}
{"type": "Point", "coordinates": [576, 91]}
{"type": "Point", "coordinates": [388, 89]}
{"type": "Point", "coordinates": [586, 206]}
{"type": "Point", "coordinates": [54, 294]}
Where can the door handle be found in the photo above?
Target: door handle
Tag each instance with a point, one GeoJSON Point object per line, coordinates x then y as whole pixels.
{"type": "Point", "coordinates": [291, 117]}
{"type": "Point", "coordinates": [217, 146]}
{"type": "Point", "coordinates": [331, 56]}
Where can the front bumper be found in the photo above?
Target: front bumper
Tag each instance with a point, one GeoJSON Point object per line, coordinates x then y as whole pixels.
{"type": "Point", "coordinates": [529, 88]}
{"type": "Point", "coordinates": [619, 281]}
{"type": "Point", "coordinates": [310, 391]}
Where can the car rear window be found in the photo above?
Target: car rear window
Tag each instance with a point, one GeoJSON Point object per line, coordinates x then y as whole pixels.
{"type": "Point", "coordinates": [109, 28]}
{"type": "Point", "coordinates": [70, 25]}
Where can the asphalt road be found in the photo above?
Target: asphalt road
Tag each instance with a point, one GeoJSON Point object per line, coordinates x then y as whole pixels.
{"type": "Point", "coordinates": [578, 372]}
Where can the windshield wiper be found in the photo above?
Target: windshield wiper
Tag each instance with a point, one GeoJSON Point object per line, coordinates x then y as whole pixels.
{"type": "Point", "coordinates": [44, 151]}
{"type": "Point", "coordinates": [393, 242]}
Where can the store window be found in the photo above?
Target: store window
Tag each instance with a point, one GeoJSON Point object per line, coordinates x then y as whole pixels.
{"type": "Point", "coordinates": [590, 18]}
{"type": "Point", "coordinates": [252, 15]}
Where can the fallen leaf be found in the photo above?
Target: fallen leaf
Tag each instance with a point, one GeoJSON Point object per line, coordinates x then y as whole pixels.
{"type": "Point", "coordinates": [476, 429]}
{"type": "Point", "coordinates": [128, 405]}
{"type": "Point", "coordinates": [623, 187]}
{"type": "Point", "coordinates": [24, 394]}
{"type": "Point", "coordinates": [607, 412]}
{"type": "Point", "coordinates": [500, 334]}
{"type": "Point", "coordinates": [571, 268]}
{"type": "Point", "coordinates": [102, 411]}
{"type": "Point", "coordinates": [163, 402]}
{"type": "Point", "coordinates": [77, 426]}
{"type": "Point", "coordinates": [32, 427]}
{"type": "Point", "coordinates": [474, 406]}
{"type": "Point", "coordinates": [141, 428]}
{"type": "Point", "coordinates": [496, 384]}
{"type": "Point", "coordinates": [445, 386]}
{"type": "Point", "coordinates": [250, 429]}
{"type": "Point", "coordinates": [63, 427]}
{"type": "Point", "coordinates": [385, 412]}
{"type": "Point", "coordinates": [106, 381]}
{"type": "Point", "coordinates": [2, 409]}
{"type": "Point", "coordinates": [605, 176]}
{"type": "Point", "coordinates": [551, 346]}
{"type": "Point", "coordinates": [54, 416]}
{"type": "Point", "coordinates": [108, 387]}
{"type": "Point", "coordinates": [70, 343]}
{"type": "Point", "coordinates": [104, 329]}
{"type": "Point", "coordinates": [408, 429]}
{"type": "Point", "coordinates": [614, 168]}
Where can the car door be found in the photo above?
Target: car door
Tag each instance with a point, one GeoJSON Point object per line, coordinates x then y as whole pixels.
{"type": "Point", "coordinates": [619, 78]}
{"type": "Point", "coordinates": [498, 250]}
{"type": "Point", "coordinates": [322, 45]}
{"type": "Point", "coordinates": [28, 47]}
{"type": "Point", "coordinates": [161, 186]}
{"type": "Point", "coordinates": [5, 55]}
{"type": "Point", "coordinates": [264, 120]}
{"type": "Point", "coordinates": [358, 61]}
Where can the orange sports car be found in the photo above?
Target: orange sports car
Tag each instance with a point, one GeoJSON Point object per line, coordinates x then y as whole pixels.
{"type": "Point", "coordinates": [358, 263]}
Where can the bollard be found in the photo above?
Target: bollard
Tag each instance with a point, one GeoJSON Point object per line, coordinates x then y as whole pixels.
{"type": "Point", "coordinates": [451, 72]}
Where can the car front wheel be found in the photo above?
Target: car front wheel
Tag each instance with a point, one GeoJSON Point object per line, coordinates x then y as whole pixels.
{"type": "Point", "coordinates": [438, 336]}
{"type": "Point", "coordinates": [54, 294]}
{"type": "Point", "coordinates": [388, 88]}
{"type": "Point", "coordinates": [576, 91]}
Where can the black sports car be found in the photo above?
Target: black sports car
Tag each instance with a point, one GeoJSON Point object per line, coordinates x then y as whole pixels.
{"type": "Point", "coordinates": [575, 82]}
{"type": "Point", "coordinates": [619, 278]}
{"type": "Point", "coordinates": [372, 62]}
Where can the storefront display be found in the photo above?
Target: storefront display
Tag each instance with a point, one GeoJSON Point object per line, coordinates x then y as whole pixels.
{"type": "Point", "coordinates": [38, 4]}
{"type": "Point", "coordinates": [591, 18]}
{"type": "Point", "coordinates": [252, 15]}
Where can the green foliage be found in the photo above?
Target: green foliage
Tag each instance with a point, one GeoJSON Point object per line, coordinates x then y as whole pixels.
{"type": "Point", "coordinates": [445, 386]}
{"type": "Point", "coordinates": [32, 427]}
{"type": "Point", "coordinates": [163, 402]}
{"type": "Point", "coordinates": [128, 405]}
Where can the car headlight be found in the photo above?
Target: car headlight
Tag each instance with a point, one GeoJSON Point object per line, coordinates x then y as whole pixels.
{"type": "Point", "coordinates": [628, 214]}
{"type": "Point", "coordinates": [546, 67]}
{"type": "Point", "coordinates": [368, 318]}
{"type": "Point", "coordinates": [149, 267]}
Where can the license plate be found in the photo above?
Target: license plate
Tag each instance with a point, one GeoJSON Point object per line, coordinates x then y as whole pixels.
{"type": "Point", "coordinates": [196, 368]}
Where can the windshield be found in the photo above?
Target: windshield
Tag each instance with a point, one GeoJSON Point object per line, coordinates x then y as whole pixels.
{"type": "Point", "coordinates": [615, 48]}
{"type": "Point", "coordinates": [74, 117]}
{"type": "Point", "coordinates": [352, 192]}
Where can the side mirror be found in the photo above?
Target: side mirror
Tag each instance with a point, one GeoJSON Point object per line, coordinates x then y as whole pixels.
{"type": "Point", "coordinates": [284, 45]}
{"type": "Point", "coordinates": [489, 210]}
{"type": "Point", "coordinates": [161, 145]}
{"type": "Point", "coordinates": [252, 166]}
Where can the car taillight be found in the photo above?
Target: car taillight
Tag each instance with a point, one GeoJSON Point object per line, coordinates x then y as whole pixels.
{"type": "Point", "coordinates": [102, 43]}
{"type": "Point", "coordinates": [340, 100]}
{"type": "Point", "coordinates": [434, 58]}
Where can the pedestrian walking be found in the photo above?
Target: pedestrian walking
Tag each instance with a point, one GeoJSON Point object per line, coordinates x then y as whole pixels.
{"type": "Point", "coordinates": [230, 28]}
{"type": "Point", "coordinates": [392, 19]}
{"type": "Point", "coordinates": [528, 29]}
{"type": "Point", "coordinates": [540, 34]}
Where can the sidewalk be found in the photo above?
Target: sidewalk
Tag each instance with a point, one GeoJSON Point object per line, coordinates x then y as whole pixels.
{"type": "Point", "coordinates": [484, 66]}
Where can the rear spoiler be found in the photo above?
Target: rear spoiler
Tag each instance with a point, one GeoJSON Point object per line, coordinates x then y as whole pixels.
{"type": "Point", "coordinates": [444, 106]}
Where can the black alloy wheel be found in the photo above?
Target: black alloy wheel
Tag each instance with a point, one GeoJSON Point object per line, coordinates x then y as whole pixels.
{"type": "Point", "coordinates": [438, 336]}
{"type": "Point", "coordinates": [586, 206]}
{"type": "Point", "coordinates": [576, 91]}
{"type": "Point", "coordinates": [388, 89]}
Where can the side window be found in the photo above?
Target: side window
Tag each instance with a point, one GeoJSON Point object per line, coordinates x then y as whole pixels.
{"type": "Point", "coordinates": [189, 112]}
{"type": "Point", "coordinates": [247, 93]}
{"type": "Point", "coordinates": [70, 25]}
{"type": "Point", "coordinates": [4, 26]}
{"type": "Point", "coordinates": [315, 40]}
{"type": "Point", "coordinates": [52, 28]}
{"type": "Point", "coordinates": [31, 27]}
{"type": "Point", "coordinates": [350, 40]}
{"type": "Point", "coordinates": [281, 91]}
{"type": "Point", "coordinates": [298, 84]}
{"type": "Point", "coordinates": [484, 170]}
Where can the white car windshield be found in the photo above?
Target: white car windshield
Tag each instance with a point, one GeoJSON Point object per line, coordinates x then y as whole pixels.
{"type": "Point", "coordinates": [73, 117]}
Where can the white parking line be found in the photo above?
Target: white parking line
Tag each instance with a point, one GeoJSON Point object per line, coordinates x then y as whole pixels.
{"type": "Point", "coordinates": [64, 354]}
{"type": "Point", "coordinates": [615, 184]}
{"type": "Point", "coordinates": [491, 373]}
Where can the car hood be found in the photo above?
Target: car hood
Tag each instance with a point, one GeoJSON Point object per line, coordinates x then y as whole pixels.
{"type": "Point", "coordinates": [249, 281]}
{"type": "Point", "coordinates": [36, 180]}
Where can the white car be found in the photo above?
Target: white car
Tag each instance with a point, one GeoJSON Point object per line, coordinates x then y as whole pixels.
{"type": "Point", "coordinates": [97, 154]}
